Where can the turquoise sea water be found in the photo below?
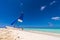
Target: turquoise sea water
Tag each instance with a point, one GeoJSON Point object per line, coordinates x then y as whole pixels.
{"type": "Point", "coordinates": [44, 30]}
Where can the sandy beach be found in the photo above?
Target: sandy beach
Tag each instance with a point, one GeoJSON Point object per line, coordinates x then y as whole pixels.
{"type": "Point", "coordinates": [17, 34]}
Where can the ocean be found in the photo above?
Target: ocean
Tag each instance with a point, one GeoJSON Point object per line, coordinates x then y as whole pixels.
{"type": "Point", "coordinates": [44, 30]}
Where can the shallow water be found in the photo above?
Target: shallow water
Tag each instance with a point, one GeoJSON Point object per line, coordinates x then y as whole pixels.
{"type": "Point", "coordinates": [44, 30]}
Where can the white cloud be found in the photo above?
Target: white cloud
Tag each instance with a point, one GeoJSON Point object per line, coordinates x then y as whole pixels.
{"type": "Point", "coordinates": [55, 18]}
{"type": "Point", "coordinates": [42, 8]}
{"type": "Point", "coordinates": [19, 20]}
{"type": "Point", "coordinates": [52, 2]}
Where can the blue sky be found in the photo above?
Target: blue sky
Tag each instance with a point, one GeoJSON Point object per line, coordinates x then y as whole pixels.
{"type": "Point", "coordinates": [37, 13]}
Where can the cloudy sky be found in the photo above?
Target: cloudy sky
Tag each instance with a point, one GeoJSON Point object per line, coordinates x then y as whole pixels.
{"type": "Point", "coordinates": [37, 13]}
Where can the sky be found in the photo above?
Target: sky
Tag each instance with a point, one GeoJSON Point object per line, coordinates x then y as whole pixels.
{"type": "Point", "coordinates": [37, 13]}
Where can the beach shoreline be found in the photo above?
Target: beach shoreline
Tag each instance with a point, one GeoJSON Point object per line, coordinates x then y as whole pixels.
{"type": "Point", "coordinates": [19, 34]}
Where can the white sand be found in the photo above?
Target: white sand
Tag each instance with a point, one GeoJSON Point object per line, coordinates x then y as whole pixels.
{"type": "Point", "coordinates": [33, 36]}
{"type": "Point", "coordinates": [16, 34]}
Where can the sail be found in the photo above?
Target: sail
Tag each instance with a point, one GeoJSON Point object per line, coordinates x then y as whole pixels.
{"type": "Point", "coordinates": [19, 19]}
